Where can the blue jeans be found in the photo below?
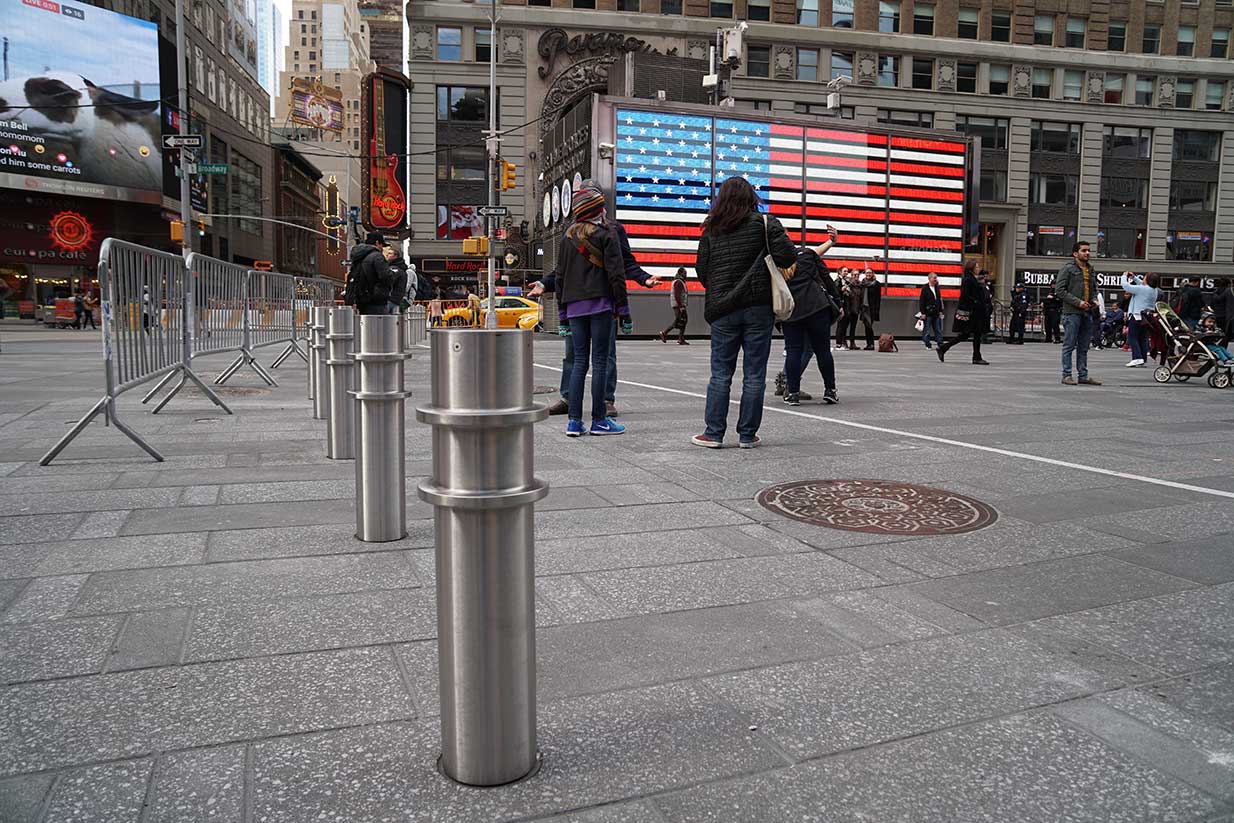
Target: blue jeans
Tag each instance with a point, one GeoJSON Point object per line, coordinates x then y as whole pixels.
{"type": "Point", "coordinates": [812, 332]}
{"type": "Point", "coordinates": [747, 331]}
{"type": "Point", "coordinates": [932, 326]}
{"type": "Point", "coordinates": [591, 335]}
{"type": "Point", "coordinates": [1077, 331]}
{"type": "Point", "coordinates": [1137, 338]}
{"type": "Point", "coordinates": [567, 366]}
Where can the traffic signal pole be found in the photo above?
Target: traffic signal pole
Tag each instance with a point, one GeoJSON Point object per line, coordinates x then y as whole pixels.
{"type": "Point", "coordinates": [493, 144]}
{"type": "Point", "coordinates": [182, 83]}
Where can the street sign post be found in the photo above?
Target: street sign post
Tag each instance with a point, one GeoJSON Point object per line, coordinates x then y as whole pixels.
{"type": "Point", "coordinates": [494, 211]}
{"type": "Point", "coordinates": [182, 141]}
{"type": "Point", "coordinates": [212, 168]}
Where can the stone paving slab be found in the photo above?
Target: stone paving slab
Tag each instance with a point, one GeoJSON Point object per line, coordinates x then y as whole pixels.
{"type": "Point", "coordinates": [41, 651]}
{"type": "Point", "coordinates": [1208, 695]}
{"type": "Point", "coordinates": [82, 556]}
{"type": "Point", "coordinates": [21, 798]}
{"type": "Point", "coordinates": [110, 791]}
{"type": "Point", "coordinates": [204, 785]}
{"type": "Point", "coordinates": [305, 541]}
{"type": "Point", "coordinates": [149, 639]}
{"type": "Point", "coordinates": [1205, 560]}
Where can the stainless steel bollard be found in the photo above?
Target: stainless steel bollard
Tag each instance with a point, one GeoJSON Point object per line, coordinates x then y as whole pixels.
{"type": "Point", "coordinates": [484, 493]}
{"type": "Point", "coordinates": [381, 512]}
{"type": "Point", "coordinates": [341, 422]}
{"type": "Point", "coordinates": [320, 374]}
{"type": "Point", "coordinates": [311, 326]}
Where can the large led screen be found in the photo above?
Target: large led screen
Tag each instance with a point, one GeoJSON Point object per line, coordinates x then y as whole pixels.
{"type": "Point", "coordinates": [897, 200]}
{"type": "Point", "coordinates": [79, 100]}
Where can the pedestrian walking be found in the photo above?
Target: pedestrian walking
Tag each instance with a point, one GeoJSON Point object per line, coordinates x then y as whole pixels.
{"type": "Point", "coordinates": [971, 313]}
{"type": "Point", "coordinates": [1019, 316]}
{"type": "Point", "coordinates": [1051, 315]}
{"type": "Point", "coordinates": [79, 308]}
{"type": "Point", "coordinates": [678, 298]}
{"type": "Point", "coordinates": [87, 304]}
{"type": "Point", "coordinates": [842, 285]}
{"type": "Point", "coordinates": [369, 278]}
{"type": "Point", "coordinates": [435, 312]}
{"type": "Point", "coordinates": [398, 289]}
{"type": "Point", "coordinates": [932, 309]}
{"type": "Point", "coordinates": [809, 326]}
{"type": "Point", "coordinates": [871, 303]}
{"type": "Point", "coordinates": [1143, 291]}
{"type": "Point", "coordinates": [1191, 302]}
{"type": "Point", "coordinates": [1076, 287]}
{"type": "Point", "coordinates": [731, 265]}
{"type": "Point", "coordinates": [591, 286]}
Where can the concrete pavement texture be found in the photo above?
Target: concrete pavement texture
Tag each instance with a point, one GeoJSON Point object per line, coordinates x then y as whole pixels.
{"type": "Point", "coordinates": [203, 639]}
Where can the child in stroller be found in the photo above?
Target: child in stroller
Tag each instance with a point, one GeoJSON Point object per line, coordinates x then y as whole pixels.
{"type": "Point", "coordinates": [1190, 352]}
{"type": "Point", "coordinates": [1212, 337]}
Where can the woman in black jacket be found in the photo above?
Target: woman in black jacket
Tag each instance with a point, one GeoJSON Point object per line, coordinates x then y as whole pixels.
{"type": "Point", "coordinates": [972, 314]}
{"type": "Point", "coordinates": [591, 289]}
{"type": "Point", "coordinates": [737, 305]}
{"type": "Point", "coordinates": [814, 295]}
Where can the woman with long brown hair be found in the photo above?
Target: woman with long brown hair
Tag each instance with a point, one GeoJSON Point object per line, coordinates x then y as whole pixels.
{"type": "Point", "coordinates": [972, 316]}
{"type": "Point", "coordinates": [737, 305]}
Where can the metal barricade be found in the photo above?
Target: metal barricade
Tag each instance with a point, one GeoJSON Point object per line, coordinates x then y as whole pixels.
{"type": "Point", "coordinates": [308, 292]}
{"type": "Point", "coordinates": [146, 303]}
{"type": "Point", "coordinates": [268, 319]}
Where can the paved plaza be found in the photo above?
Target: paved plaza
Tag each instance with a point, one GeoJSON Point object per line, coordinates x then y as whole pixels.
{"type": "Point", "coordinates": [203, 639]}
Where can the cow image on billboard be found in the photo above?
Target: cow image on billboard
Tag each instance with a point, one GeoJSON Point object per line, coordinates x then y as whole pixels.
{"type": "Point", "coordinates": [81, 99]}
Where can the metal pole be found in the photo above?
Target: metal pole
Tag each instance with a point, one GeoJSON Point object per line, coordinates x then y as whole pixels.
{"type": "Point", "coordinates": [182, 84]}
{"type": "Point", "coordinates": [381, 511]}
{"type": "Point", "coordinates": [490, 321]}
{"type": "Point", "coordinates": [321, 377]}
{"type": "Point", "coordinates": [341, 424]}
{"type": "Point", "coordinates": [484, 491]}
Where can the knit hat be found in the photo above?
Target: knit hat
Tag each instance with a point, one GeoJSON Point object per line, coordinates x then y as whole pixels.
{"type": "Point", "coordinates": [587, 204]}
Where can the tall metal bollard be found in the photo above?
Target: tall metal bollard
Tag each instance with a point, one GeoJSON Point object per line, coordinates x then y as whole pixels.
{"type": "Point", "coordinates": [317, 358]}
{"type": "Point", "coordinates": [381, 512]}
{"type": "Point", "coordinates": [311, 325]}
{"type": "Point", "coordinates": [341, 422]}
{"type": "Point", "coordinates": [484, 491]}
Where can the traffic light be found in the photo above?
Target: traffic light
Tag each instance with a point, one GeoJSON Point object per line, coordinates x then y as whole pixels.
{"type": "Point", "coordinates": [177, 232]}
{"type": "Point", "coordinates": [507, 174]}
{"type": "Point", "coordinates": [477, 246]}
{"type": "Point", "coordinates": [201, 228]}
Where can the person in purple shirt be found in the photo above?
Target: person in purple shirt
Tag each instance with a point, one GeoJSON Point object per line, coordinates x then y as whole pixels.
{"type": "Point", "coordinates": [634, 272]}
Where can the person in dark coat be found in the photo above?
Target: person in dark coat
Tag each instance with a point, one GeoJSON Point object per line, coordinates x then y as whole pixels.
{"type": "Point", "coordinates": [1019, 316]}
{"type": "Point", "coordinates": [1051, 315]}
{"type": "Point", "coordinates": [678, 299]}
{"type": "Point", "coordinates": [737, 305]}
{"type": "Point", "coordinates": [810, 325]}
{"type": "Point", "coordinates": [1223, 307]}
{"type": "Point", "coordinates": [398, 268]}
{"type": "Point", "coordinates": [369, 277]}
{"type": "Point", "coordinates": [971, 316]}
{"type": "Point", "coordinates": [1191, 302]}
{"type": "Point", "coordinates": [871, 302]}
{"type": "Point", "coordinates": [931, 308]}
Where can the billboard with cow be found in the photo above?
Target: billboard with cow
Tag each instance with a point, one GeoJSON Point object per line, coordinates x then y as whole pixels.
{"type": "Point", "coordinates": [80, 101]}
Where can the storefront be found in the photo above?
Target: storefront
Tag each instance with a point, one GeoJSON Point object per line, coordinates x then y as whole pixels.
{"type": "Point", "coordinates": [451, 277]}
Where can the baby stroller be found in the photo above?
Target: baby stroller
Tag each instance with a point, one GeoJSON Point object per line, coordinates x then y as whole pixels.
{"type": "Point", "coordinates": [1188, 354]}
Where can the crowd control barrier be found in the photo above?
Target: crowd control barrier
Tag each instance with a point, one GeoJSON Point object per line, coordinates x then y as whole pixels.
{"type": "Point", "coordinates": [269, 319]}
{"type": "Point", "coordinates": [146, 298]}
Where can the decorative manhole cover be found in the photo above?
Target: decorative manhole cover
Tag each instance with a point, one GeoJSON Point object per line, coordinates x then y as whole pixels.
{"type": "Point", "coordinates": [543, 389]}
{"type": "Point", "coordinates": [877, 506]}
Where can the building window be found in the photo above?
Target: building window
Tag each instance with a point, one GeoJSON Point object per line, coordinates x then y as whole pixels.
{"type": "Point", "coordinates": [1193, 195]}
{"type": "Point", "coordinates": [1043, 80]}
{"type": "Point", "coordinates": [923, 19]}
{"type": "Point", "coordinates": [1188, 245]}
{"type": "Point", "coordinates": [807, 64]}
{"type": "Point", "coordinates": [841, 64]}
{"type": "Point", "coordinates": [888, 70]}
{"type": "Point", "coordinates": [1152, 39]}
{"type": "Point", "coordinates": [1144, 90]}
{"type": "Point", "coordinates": [842, 14]}
{"type": "Point", "coordinates": [458, 222]}
{"type": "Point", "coordinates": [809, 108]}
{"type": "Point", "coordinates": [758, 10]}
{"type": "Point", "coordinates": [1186, 41]}
{"type": "Point", "coordinates": [966, 78]}
{"type": "Point", "coordinates": [1053, 189]}
{"type": "Point", "coordinates": [1117, 40]}
{"type": "Point", "coordinates": [923, 73]}
{"type": "Point", "coordinates": [1057, 138]}
{"type": "Point", "coordinates": [670, 6]}
{"type": "Point", "coordinates": [1043, 30]}
{"type": "Point", "coordinates": [245, 178]}
{"type": "Point", "coordinates": [462, 104]}
{"type": "Point", "coordinates": [888, 17]}
{"type": "Point", "coordinates": [449, 44]}
{"type": "Point", "coordinates": [968, 23]}
{"type": "Point", "coordinates": [1077, 32]}
{"type": "Point", "coordinates": [1000, 79]}
{"type": "Point", "coordinates": [756, 105]}
{"type": "Point", "coordinates": [993, 185]}
{"type": "Point", "coordinates": [1221, 44]}
{"type": "Point", "coordinates": [484, 45]}
{"type": "Point", "coordinates": [1126, 244]}
{"type": "Point", "coordinates": [919, 119]}
{"type": "Point", "coordinates": [1050, 241]}
{"type": "Point", "coordinates": [1127, 142]}
{"type": "Point", "coordinates": [807, 12]}
{"type": "Point", "coordinates": [584, 4]}
{"type": "Point", "coordinates": [1114, 88]}
{"type": "Point", "coordinates": [1184, 93]}
{"type": "Point", "coordinates": [990, 132]}
{"type": "Point", "coordinates": [1073, 85]}
{"type": "Point", "coordinates": [722, 8]}
{"type": "Point", "coordinates": [628, 5]}
{"type": "Point", "coordinates": [1214, 95]}
{"type": "Point", "coordinates": [1124, 192]}
{"type": "Point", "coordinates": [461, 163]}
{"type": "Point", "coordinates": [1000, 26]}
{"type": "Point", "coordinates": [758, 61]}
{"type": "Point", "coordinates": [1197, 146]}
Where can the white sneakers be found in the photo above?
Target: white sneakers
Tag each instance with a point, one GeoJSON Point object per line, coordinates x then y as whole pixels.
{"type": "Point", "coordinates": [1135, 363]}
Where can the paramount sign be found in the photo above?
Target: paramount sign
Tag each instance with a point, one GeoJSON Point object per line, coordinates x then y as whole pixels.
{"type": "Point", "coordinates": [556, 41]}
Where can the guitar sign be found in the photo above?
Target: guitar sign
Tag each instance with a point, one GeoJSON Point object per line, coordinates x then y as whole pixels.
{"type": "Point", "coordinates": [387, 202]}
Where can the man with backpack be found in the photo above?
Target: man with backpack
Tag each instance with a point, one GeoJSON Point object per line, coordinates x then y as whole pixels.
{"type": "Point", "coordinates": [370, 281]}
{"type": "Point", "coordinates": [677, 299]}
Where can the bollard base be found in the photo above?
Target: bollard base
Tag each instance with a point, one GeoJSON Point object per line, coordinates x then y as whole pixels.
{"type": "Point", "coordinates": [535, 770]}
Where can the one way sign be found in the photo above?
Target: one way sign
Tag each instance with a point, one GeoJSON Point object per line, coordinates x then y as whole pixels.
{"type": "Point", "coordinates": [182, 141]}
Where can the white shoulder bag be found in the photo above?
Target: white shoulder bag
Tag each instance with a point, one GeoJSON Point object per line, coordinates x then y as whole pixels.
{"type": "Point", "coordinates": [781, 297]}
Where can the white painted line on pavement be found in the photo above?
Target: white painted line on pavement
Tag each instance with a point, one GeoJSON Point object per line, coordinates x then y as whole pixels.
{"type": "Point", "coordinates": [1156, 481]}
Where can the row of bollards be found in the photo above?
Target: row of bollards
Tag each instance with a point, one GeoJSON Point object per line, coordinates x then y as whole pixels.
{"type": "Point", "coordinates": [483, 490]}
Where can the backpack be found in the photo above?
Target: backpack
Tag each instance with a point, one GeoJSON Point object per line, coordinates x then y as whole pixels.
{"type": "Point", "coordinates": [887, 343]}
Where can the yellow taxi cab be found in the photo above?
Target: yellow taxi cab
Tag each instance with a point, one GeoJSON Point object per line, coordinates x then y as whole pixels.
{"type": "Point", "coordinates": [512, 313]}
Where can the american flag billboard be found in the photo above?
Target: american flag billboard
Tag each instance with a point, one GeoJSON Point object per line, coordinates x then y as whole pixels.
{"type": "Point", "coordinates": [896, 199]}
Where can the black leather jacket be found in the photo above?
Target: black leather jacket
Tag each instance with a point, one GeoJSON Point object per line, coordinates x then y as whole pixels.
{"type": "Point", "coordinates": [731, 269]}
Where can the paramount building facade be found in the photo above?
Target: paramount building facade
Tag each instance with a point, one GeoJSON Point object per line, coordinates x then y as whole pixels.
{"type": "Point", "coordinates": [1111, 122]}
